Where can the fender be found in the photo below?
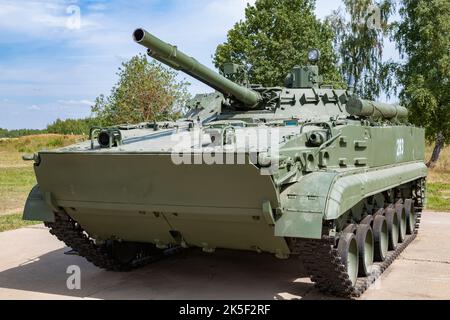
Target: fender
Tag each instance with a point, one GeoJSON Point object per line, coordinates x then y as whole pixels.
{"type": "Point", "coordinates": [36, 208]}
{"type": "Point", "coordinates": [349, 190]}
{"type": "Point", "coordinates": [323, 196]}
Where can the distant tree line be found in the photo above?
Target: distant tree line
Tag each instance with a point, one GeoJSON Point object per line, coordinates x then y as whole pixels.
{"type": "Point", "coordinates": [69, 126]}
{"type": "Point", "coordinates": [4, 133]}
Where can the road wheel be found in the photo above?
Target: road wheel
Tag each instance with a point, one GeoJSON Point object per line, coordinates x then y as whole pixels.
{"type": "Point", "coordinates": [348, 251]}
{"type": "Point", "coordinates": [381, 238]}
{"type": "Point", "coordinates": [364, 238]}
{"type": "Point", "coordinates": [351, 228]}
{"type": "Point", "coordinates": [393, 227]}
{"type": "Point", "coordinates": [401, 216]}
{"type": "Point", "coordinates": [378, 213]}
{"type": "Point", "coordinates": [411, 216]}
{"type": "Point", "coordinates": [368, 220]}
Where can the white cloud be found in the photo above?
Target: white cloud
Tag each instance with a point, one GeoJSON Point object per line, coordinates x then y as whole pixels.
{"type": "Point", "coordinates": [97, 7]}
{"type": "Point", "coordinates": [41, 19]}
{"type": "Point", "coordinates": [34, 108]}
{"type": "Point", "coordinates": [77, 102]}
{"type": "Point", "coordinates": [326, 7]}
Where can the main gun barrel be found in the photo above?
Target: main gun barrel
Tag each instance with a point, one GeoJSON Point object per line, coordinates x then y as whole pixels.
{"type": "Point", "coordinates": [366, 108]}
{"type": "Point", "coordinates": [176, 59]}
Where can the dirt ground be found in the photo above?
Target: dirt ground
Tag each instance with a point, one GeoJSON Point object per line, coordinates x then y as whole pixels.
{"type": "Point", "coordinates": [33, 266]}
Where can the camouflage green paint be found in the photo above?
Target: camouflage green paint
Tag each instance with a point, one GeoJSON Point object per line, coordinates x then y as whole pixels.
{"type": "Point", "coordinates": [332, 156]}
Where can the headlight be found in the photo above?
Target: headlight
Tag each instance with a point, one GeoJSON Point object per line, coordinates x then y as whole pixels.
{"type": "Point", "coordinates": [317, 138]}
{"type": "Point", "coordinates": [313, 55]}
{"type": "Point", "coordinates": [109, 138]}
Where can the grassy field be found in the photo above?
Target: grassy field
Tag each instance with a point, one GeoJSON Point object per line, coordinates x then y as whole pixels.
{"type": "Point", "coordinates": [17, 176]}
{"type": "Point", "coordinates": [439, 182]}
{"type": "Point", "coordinates": [14, 221]}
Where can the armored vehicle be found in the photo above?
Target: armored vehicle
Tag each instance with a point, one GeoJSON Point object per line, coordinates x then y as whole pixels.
{"type": "Point", "coordinates": [303, 170]}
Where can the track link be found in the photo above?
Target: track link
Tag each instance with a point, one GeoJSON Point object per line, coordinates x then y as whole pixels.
{"type": "Point", "coordinates": [70, 232]}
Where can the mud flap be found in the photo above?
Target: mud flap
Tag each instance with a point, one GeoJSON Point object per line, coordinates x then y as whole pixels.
{"type": "Point", "coordinates": [36, 209]}
{"type": "Point", "coordinates": [296, 224]}
{"type": "Point", "coordinates": [303, 206]}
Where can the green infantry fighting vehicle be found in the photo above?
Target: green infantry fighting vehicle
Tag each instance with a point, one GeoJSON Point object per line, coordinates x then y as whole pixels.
{"type": "Point", "coordinates": [339, 183]}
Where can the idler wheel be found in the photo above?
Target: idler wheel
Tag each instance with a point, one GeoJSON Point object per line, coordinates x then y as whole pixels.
{"type": "Point", "coordinates": [411, 216]}
{"type": "Point", "coordinates": [381, 238]}
{"type": "Point", "coordinates": [393, 227]}
{"type": "Point", "coordinates": [348, 251]}
{"type": "Point", "coordinates": [401, 215]}
{"type": "Point", "coordinates": [364, 238]}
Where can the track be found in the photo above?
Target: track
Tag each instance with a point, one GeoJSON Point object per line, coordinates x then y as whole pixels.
{"type": "Point", "coordinates": [71, 233]}
{"type": "Point", "coordinates": [323, 263]}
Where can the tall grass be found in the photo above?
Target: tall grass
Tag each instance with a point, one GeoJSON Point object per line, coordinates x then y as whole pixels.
{"type": "Point", "coordinates": [17, 176]}
{"type": "Point", "coordinates": [439, 182]}
{"type": "Point", "coordinates": [29, 144]}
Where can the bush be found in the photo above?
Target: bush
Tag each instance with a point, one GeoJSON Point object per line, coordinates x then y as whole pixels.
{"type": "Point", "coordinates": [146, 91]}
{"type": "Point", "coordinates": [73, 126]}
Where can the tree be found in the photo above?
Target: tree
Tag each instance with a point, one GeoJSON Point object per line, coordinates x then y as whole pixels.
{"type": "Point", "coordinates": [360, 41]}
{"type": "Point", "coordinates": [146, 92]}
{"type": "Point", "coordinates": [423, 38]}
{"type": "Point", "coordinates": [274, 37]}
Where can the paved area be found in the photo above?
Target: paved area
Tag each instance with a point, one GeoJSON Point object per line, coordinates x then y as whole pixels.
{"type": "Point", "coordinates": [33, 266]}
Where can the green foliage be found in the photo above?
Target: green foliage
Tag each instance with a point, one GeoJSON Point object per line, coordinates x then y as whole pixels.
{"type": "Point", "coordinates": [146, 91]}
{"type": "Point", "coordinates": [73, 126]}
{"type": "Point", "coordinates": [438, 196]}
{"type": "Point", "coordinates": [275, 36]}
{"type": "Point", "coordinates": [423, 38]}
{"type": "Point", "coordinates": [359, 42]}
{"type": "Point", "coordinates": [14, 221]}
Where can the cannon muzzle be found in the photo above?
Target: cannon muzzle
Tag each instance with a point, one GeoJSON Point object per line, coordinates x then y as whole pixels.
{"type": "Point", "coordinates": [176, 59]}
{"type": "Point", "coordinates": [366, 108]}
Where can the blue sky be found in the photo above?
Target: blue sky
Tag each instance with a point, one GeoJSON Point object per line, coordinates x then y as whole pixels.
{"type": "Point", "coordinates": [52, 67]}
